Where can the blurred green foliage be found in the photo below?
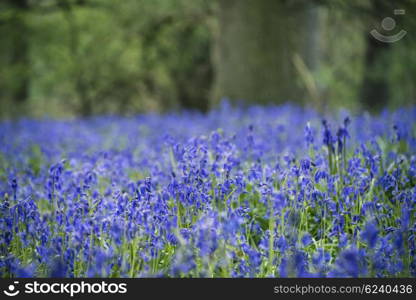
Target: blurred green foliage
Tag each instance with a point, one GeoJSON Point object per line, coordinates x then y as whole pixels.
{"type": "Point", "coordinates": [82, 57]}
{"type": "Point", "coordinates": [92, 57]}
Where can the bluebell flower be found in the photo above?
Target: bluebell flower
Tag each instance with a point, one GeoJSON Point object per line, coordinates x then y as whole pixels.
{"type": "Point", "coordinates": [283, 268]}
{"type": "Point", "coordinates": [370, 234]}
{"type": "Point", "coordinates": [350, 263]}
{"type": "Point", "coordinates": [309, 135]}
{"type": "Point", "coordinates": [58, 269]}
{"type": "Point", "coordinates": [306, 239]}
{"type": "Point", "coordinates": [328, 140]}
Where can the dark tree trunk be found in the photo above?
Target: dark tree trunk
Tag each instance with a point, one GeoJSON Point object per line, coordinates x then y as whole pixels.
{"type": "Point", "coordinates": [193, 83]}
{"type": "Point", "coordinates": [20, 53]}
{"type": "Point", "coordinates": [375, 92]}
{"type": "Point", "coordinates": [255, 49]}
{"type": "Point", "coordinates": [375, 88]}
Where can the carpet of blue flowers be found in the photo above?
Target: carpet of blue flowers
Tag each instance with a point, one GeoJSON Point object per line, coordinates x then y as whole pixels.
{"type": "Point", "coordinates": [257, 192]}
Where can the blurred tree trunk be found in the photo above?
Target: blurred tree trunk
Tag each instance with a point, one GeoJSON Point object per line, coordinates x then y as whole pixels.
{"type": "Point", "coordinates": [82, 87]}
{"type": "Point", "coordinates": [313, 37]}
{"type": "Point", "coordinates": [193, 83]}
{"type": "Point", "coordinates": [20, 53]}
{"type": "Point", "coordinates": [255, 49]}
{"type": "Point", "coordinates": [375, 87]}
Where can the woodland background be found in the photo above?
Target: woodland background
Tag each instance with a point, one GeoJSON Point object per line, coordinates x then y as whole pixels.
{"type": "Point", "coordinates": [67, 58]}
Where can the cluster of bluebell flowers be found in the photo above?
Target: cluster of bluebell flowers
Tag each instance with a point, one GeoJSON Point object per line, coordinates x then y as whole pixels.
{"type": "Point", "coordinates": [278, 191]}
